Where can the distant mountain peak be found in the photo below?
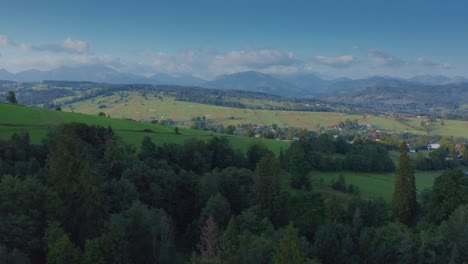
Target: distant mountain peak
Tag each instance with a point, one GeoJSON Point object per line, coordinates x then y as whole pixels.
{"type": "Point", "coordinates": [255, 82]}
{"type": "Point", "coordinates": [294, 85]}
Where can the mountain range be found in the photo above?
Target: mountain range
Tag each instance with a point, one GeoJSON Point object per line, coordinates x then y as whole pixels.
{"type": "Point", "coordinates": [297, 85]}
{"type": "Point", "coordinates": [410, 99]}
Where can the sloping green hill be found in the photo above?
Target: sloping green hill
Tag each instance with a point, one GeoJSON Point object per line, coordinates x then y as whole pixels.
{"type": "Point", "coordinates": [136, 106]}
{"type": "Point", "coordinates": [37, 121]}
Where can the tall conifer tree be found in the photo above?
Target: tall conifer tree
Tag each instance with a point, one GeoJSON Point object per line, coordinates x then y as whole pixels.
{"type": "Point", "coordinates": [404, 196]}
{"type": "Point", "coordinates": [289, 250]}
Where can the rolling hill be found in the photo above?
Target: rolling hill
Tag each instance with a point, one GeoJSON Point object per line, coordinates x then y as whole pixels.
{"type": "Point", "coordinates": [37, 121]}
{"type": "Point", "coordinates": [411, 98]}
{"type": "Point", "coordinates": [136, 106]}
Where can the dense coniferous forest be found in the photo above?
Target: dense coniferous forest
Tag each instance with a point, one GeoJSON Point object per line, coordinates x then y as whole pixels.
{"type": "Point", "coordinates": [83, 196]}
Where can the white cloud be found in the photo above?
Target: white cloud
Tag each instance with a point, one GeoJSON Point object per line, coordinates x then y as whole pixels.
{"type": "Point", "coordinates": [341, 61]}
{"type": "Point", "coordinates": [68, 46]}
{"type": "Point", "coordinates": [5, 41]}
{"type": "Point", "coordinates": [77, 46]}
{"type": "Point", "coordinates": [256, 58]}
{"type": "Point", "coordinates": [50, 62]}
{"type": "Point", "coordinates": [282, 70]}
{"type": "Point", "coordinates": [167, 63]}
{"type": "Point", "coordinates": [94, 60]}
{"type": "Point", "coordinates": [208, 63]}
{"type": "Point", "coordinates": [381, 58]}
{"type": "Point", "coordinates": [429, 63]}
{"type": "Point", "coordinates": [25, 47]}
{"type": "Point", "coordinates": [38, 63]}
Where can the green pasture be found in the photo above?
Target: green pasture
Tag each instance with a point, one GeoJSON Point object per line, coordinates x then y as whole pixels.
{"type": "Point", "coordinates": [137, 106]}
{"type": "Point", "coordinates": [37, 121]}
{"type": "Point", "coordinates": [150, 107]}
{"type": "Point", "coordinates": [375, 185]}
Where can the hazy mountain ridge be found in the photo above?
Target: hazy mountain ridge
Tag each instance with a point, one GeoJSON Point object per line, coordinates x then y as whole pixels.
{"type": "Point", "coordinates": [412, 97]}
{"type": "Point", "coordinates": [96, 73]}
{"type": "Point", "coordinates": [255, 82]}
{"type": "Point", "coordinates": [297, 85]}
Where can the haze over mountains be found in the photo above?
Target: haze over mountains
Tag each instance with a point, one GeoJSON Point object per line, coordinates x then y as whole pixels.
{"type": "Point", "coordinates": [297, 85]}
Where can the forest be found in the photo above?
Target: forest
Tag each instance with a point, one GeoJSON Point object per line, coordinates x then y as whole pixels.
{"type": "Point", "coordinates": [83, 196]}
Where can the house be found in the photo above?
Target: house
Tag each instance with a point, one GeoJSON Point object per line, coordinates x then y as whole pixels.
{"type": "Point", "coordinates": [433, 146]}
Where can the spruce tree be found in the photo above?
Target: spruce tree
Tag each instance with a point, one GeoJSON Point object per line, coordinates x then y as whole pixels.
{"type": "Point", "coordinates": [11, 97]}
{"type": "Point", "coordinates": [404, 195]}
{"type": "Point", "coordinates": [289, 250]}
{"type": "Point", "coordinates": [267, 183]}
{"type": "Point", "coordinates": [209, 241]}
{"type": "Point", "coordinates": [230, 243]}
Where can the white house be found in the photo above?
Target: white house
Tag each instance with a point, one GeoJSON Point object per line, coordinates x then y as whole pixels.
{"type": "Point", "coordinates": [433, 146]}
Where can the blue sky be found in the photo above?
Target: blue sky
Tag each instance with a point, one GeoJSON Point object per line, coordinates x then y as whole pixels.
{"type": "Point", "coordinates": [351, 38]}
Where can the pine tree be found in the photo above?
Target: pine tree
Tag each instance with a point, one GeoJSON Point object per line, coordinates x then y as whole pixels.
{"type": "Point", "coordinates": [289, 249]}
{"type": "Point", "coordinates": [267, 184]}
{"type": "Point", "coordinates": [166, 251]}
{"type": "Point", "coordinates": [334, 209]}
{"type": "Point", "coordinates": [75, 178]}
{"type": "Point", "coordinates": [209, 241]}
{"type": "Point", "coordinates": [11, 97]}
{"type": "Point", "coordinates": [357, 221]}
{"type": "Point", "coordinates": [404, 196]}
{"type": "Point", "coordinates": [63, 251]}
{"type": "Point", "coordinates": [230, 243]}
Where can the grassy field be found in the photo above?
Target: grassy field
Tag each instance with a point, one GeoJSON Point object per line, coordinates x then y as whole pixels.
{"type": "Point", "coordinates": [375, 184]}
{"type": "Point", "coordinates": [37, 121]}
{"type": "Point", "coordinates": [136, 106]}
{"type": "Point", "coordinates": [450, 127]}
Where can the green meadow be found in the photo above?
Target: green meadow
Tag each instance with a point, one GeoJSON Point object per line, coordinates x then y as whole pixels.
{"type": "Point", "coordinates": [138, 107]}
{"type": "Point", "coordinates": [373, 185]}
{"type": "Point", "coordinates": [147, 107]}
{"type": "Point", "coordinates": [37, 121]}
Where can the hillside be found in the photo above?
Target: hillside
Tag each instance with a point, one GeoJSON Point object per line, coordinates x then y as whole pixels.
{"type": "Point", "coordinates": [37, 121]}
{"type": "Point", "coordinates": [413, 99]}
{"type": "Point", "coordinates": [136, 106]}
{"type": "Point", "coordinates": [181, 104]}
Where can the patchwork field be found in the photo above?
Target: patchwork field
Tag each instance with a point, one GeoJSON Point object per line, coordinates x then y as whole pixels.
{"type": "Point", "coordinates": [137, 106]}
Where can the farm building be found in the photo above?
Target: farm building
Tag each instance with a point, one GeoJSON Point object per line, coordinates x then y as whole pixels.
{"type": "Point", "coordinates": [433, 146]}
